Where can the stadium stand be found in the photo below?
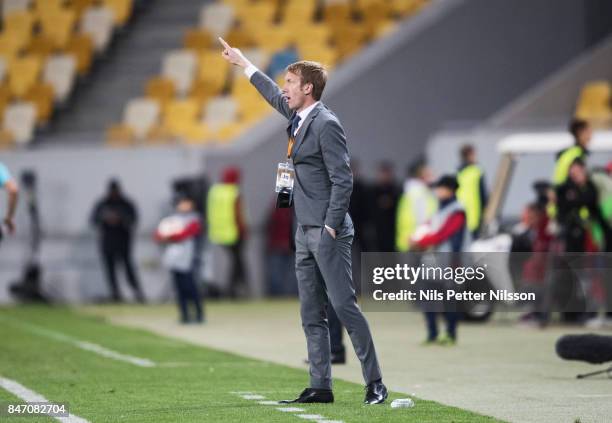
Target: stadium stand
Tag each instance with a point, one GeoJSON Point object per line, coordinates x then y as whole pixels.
{"type": "Point", "coordinates": [200, 100]}
{"type": "Point", "coordinates": [45, 46]}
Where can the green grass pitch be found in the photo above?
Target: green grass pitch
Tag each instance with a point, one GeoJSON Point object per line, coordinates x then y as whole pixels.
{"type": "Point", "coordinates": [188, 384]}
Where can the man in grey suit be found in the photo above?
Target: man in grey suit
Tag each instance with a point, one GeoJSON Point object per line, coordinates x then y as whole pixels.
{"type": "Point", "coordinates": [322, 190]}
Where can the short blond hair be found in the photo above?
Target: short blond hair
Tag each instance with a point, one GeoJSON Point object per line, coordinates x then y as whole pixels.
{"type": "Point", "coordinates": [310, 73]}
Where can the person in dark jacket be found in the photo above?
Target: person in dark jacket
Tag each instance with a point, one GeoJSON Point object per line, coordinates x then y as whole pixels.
{"type": "Point", "coordinates": [115, 218]}
{"type": "Point", "coordinates": [385, 197]}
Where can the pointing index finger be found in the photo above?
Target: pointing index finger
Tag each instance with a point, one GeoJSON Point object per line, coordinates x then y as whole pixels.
{"type": "Point", "coordinates": [224, 43]}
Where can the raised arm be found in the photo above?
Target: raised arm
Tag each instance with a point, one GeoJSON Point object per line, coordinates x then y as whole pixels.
{"type": "Point", "coordinates": [266, 86]}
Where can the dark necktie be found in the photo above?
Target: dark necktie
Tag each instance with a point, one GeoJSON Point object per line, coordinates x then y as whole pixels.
{"type": "Point", "coordinates": [295, 121]}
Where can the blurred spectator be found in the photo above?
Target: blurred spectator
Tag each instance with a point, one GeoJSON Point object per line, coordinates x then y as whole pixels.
{"type": "Point", "coordinates": [226, 226]}
{"type": "Point", "coordinates": [180, 233]}
{"type": "Point", "coordinates": [446, 232]}
{"type": "Point", "coordinates": [582, 133]}
{"type": "Point", "coordinates": [385, 196]}
{"type": "Point", "coordinates": [416, 205]}
{"type": "Point", "coordinates": [8, 183]}
{"type": "Point", "coordinates": [577, 208]}
{"type": "Point", "coordinates": [472, 190]}
{"type": "Point", "coordinates": [280, 60]}
{"type": "Point", "coordinates": [115, 218]}
{"type": "Point", "coordinates": [279, 252]}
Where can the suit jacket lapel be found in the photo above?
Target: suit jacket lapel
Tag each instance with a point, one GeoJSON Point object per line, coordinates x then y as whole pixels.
{"type": "Point", "coordinates": [304, 128]}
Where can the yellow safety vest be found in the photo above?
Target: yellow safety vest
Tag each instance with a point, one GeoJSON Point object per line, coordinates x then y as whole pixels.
{"type": "Point", "coordinates": [468, 194]}
{"type": "Point", "coordinates": [405, 220]}
{"type": "Point", "coordinates": [565, 160]}
{"type": "Point", "coordinates": [221, 211]}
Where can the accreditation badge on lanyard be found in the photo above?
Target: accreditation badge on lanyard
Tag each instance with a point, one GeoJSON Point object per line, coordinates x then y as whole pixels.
{"type": "Point", "coordinates": [285, 176]}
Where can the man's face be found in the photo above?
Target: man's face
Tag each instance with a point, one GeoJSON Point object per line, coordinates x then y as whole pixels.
{"type": "Point", "coordinates": [584, 136]}
{"type": "Point", "coordinates": [295, 92]}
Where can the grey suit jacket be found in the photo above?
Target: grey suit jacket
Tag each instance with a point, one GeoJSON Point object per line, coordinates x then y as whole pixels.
{"type": "Point", "coordinates": [324, 180]}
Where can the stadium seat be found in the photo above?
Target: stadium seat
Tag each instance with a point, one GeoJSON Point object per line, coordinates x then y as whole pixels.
{"type": "Point", "coordinates": [239, 37]}
{"type": "Point", "coordinates": [180, 67]}
{"type": "Point", "coordinates": [19, 23]}
{"type": "Point", "coordinates": [160, 89]}
{"type": "Point", "coordinates": [5, 98]}
{"type": "Point", "coordinates": [348, 38]}
{"type": "Point", "coordinates": [11, 44]}
{"type": "Point", "coordinates": [41, 46]}
{"type": "Point", "coordinates": [97, 22]}
{"type": "Point", "coordinates": [121, 10]}
{"type": "Point", "coordinates": [375, 14]}
{"type": "Point", "coordinates": [60, 73]}
{"type": "Point", "coordinates": [141, 115]}
{"type": "Point", "coordinates": [201, 92]}
{"type": "Point", "coordinates": [337, 12]}
{"type": "Point", "coordinates": [299, 12]}
{"type": "Point", "coordinates": [257, 15]}
{"type": "Point", "coordinates": [20, 121]}
{"type": "Point", "coordinates": [46, 7]}
{"type": "Point", "coordinates": [9, 6]}
{"type": "Point", "coordinates": [220, 111]}
{"type": "Point", "coordinates": [58, 26]}
{"type": "Point", "coordinates": [216, 18]}
{"type": "Point", "coordinates": [179, 116]}
{"type": "Point", "coordinates": [81, 46]}
{"type": "Point", "coordinates": [197, 39]}
{"type": "Point", "coordinates": [41, 96]}
{"type": "Point", "coordinates": [23, 73]}
{"type": "Point", "coordinates": [594, 103]}
{"type": "Point", "coordinates": [213, 70]}
{"type": "Point", "coordinates": [406, 7]}
{"type": "Point", "coordinates": [273, 38]}
{"type": "Point", "coordinates": [326, 55]}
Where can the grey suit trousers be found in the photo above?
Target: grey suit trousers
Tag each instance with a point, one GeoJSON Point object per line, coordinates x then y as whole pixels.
{"type": "Point", "coordinates": [323, 269]}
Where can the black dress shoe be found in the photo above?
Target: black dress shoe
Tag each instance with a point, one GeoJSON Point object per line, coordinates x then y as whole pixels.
{"type": "Point", "coordinates": [376, 393]}
{"type": "Point", "coordinates": [312, 395]}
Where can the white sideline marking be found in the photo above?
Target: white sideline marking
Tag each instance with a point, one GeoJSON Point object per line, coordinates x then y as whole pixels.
{"type": "Point", "coordinates": [291, 409]}
{"type": "Point", "coordinates": [310, 416]}
{"type": "Point", "coordinates": [88, 346]}
{"type": "Point", "coordinates": [267, 402]}
{"type": "Point", "coordinates": [28, 395]}
{"type": "Point", "coordinates": [253, 397]}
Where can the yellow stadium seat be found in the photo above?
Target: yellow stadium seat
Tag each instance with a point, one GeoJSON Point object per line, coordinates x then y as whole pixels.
{"type": "Point", "coordinates": [46, 7]}
{"type": "Point", "coordinates": [229, 131]}
{"type": "Point", "coordinates": [197, 39]}
{"type": "Point", "coordinates": [179, 116]}
{"type": "Point", "coordinates": [406, 7]}
{"type": "Point", "coordinates": [11, 44]}
{"type": "Point", "coordinates": [41, 95]}
{"type": "Point", "coordinates": [257, 15]}
{"type": "Point", "coordinates": [5, 98]}
{"type": "Point", "coordinates": [273, 38]}
{"type": "Point", "coordinates": [122, 10]}
{"type": "Point", "coordinates": [317, 34]}
{"type": "Point", "coordinates": [348, 39]}
{"type": "Point", "coordinates": [213, 70]}
{"type": "Point", "coordinates": [594, 103]}
{"type": "Point", "coordinates": [239, 37]}
{"type": "Point", "coordinates": [201, 92]}
{"type": "Point", "coordinates": [23, 74]}
{"type": "Point", "coordinates": [160, 89]}
{"type": "Point", "coordinates": [197, 133]}
{"type": "Point", "coordinates": [337, 14]}
{"type": "Point", "coordinates": [41, 45]}
{"type": "Point", "coordinates": [20, 24]}
{"type": "Point", "coordinates": [81, 46]}
{"type": "Point", "coordinates": [375, 15]}
{"type": "Point", "coordinates": [299, 12]}
{"type": "Point", "coordinates": [58, 26]}
{"type": "Point", "coordinates": [326, 55]}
